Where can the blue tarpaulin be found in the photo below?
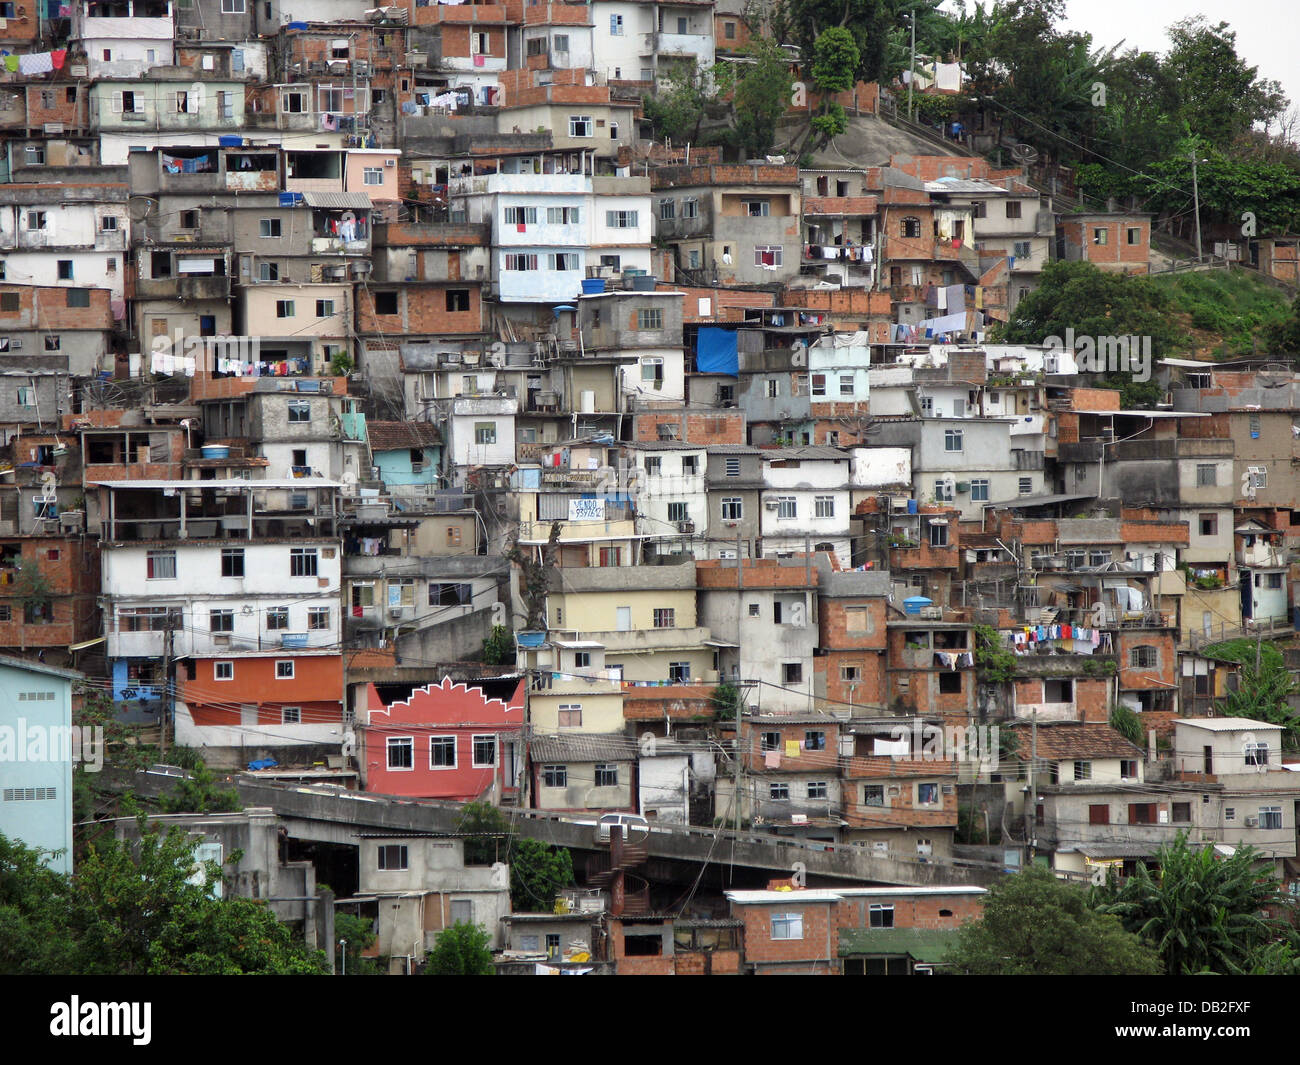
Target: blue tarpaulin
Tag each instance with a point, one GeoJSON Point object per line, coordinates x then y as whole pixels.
{"type": "Point", "coordinates": [715, 351]}
{"type": "Point", "coordinates": [263, 763]}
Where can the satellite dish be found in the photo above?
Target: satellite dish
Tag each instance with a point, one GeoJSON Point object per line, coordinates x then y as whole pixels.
{"type": "Point", "coordinates": [1024, 154]}
{"type": "Point", "coordinates": [139, 207]}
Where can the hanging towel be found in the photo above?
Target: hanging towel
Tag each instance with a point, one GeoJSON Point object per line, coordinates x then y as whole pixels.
{"type": "Point", "coordinates": [772, 760]}
{"type": "Point", "coordinates": [36, 63]}
{"type": "Point", "coordinates": [57, 57]}
{"type": "Point", "coordinates": [792, 748]}
{"type": "Point", "coordinates": [11, 64]}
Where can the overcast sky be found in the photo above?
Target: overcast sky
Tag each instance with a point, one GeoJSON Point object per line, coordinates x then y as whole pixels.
{"type": "Point", "coordinates": [1268, 31]}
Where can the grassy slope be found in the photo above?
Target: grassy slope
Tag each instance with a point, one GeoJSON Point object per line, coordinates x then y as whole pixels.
{"type": "Point", "coordinates": [1222, 311]}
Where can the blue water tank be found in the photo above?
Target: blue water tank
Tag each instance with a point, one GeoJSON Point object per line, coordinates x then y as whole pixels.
{"type": "Point", "coordinates": [593, 286]}
{"type": "Point", "coordinates": [913, 604]}
{"type": "Point", "coordinates": [911, 506]}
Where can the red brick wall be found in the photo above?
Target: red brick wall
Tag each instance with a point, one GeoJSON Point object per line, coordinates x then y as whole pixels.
{"type": "Point", "coordinates": [421, 308]}
{"type": "Point", "coordinates": [713, 427]}
{"type": "Point", "coordinates": [815, 946]}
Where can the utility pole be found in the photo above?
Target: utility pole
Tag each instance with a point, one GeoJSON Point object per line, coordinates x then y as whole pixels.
{"type": "Point", "coordinates": [911, 80]}
{"type": "Point", "coordinates": [1196, 207]}
{"type": "Point", "coordinates": [1031, 794]}
{"type": "Point", "coordinates": [169, 688]}
{"type": "Point", "coordinates": [740, 621]}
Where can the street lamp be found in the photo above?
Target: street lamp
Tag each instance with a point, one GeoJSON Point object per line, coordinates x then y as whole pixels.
{"type": "Point", "coordinates": [343, 946]}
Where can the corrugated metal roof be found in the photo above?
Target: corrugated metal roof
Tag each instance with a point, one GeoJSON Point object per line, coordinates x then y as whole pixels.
{"type": "Point", "coordinates": [337, 199]}
{"type": "Point", "coordinates": [593, 747]}
{"type": "Point", "coordinates": [924, 944]}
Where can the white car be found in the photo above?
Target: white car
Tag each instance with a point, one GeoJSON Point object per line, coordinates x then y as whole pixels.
{"type": "Point", "coordinates": [635, 827]}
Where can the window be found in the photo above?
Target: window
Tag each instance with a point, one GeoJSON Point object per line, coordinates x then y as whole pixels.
{"type": "Point", "coordinates": [442, 752]}
{"type": "Point", "coordinates": [729, 31]}
{"type": "Point", "coordinates": [1257, 754]}
{"type": "Point", "coordinates": [650, 319]}
{"type": "Point", "coordinates": [564, 260]}
{"type": "Point", "coordinates": [792, 673]}
{"type": "Point", "coordinates": [690, 207]}
{"type": "Point", "coordinates": [817, 789]}
{"type": "Point", "coordinates": [1100, 236]}
{"type": "Point", "coordinates": [909, 228]}
{"type": "Point", "coordinates": [457, 299]}
{"type": "Point", "coordinates": [768, 255]}
{"type": "Point", "coordinates": [1082, 770]}
{"type": "Point", "coordinates": [1098, 814]}
{"type": "Point", "coordinates": [291, 715]}
{"type": "Point", "coordinates": [731, 467]}
{"type": "Point", "coordinates": [223, 671]}
{"type": "Point", "coordinates": [778, 792]}
{"type": "Point", "coordinates": [392, 857]}
{"type": "Point", "coordinates": [1143, 657]}
{"type": "Point", "coordinates": [814, 740]}
{"type": "Point", "coordinates": [1134, 235]}
{"type": "Point", "coordinates": [221, 620]}
{"type": "Point", "coordinates": [555, 776]}
{"type": "Point", "coordinates": [665, 618]}
{"type": "Point", "coordinates": [787, 926]}
{"type": "Point", "coordinates": [299, 410]}
{"type": "Point", "coordinates": [570, 715]}
{"type": "Point", "coordinates": [979, 491]}
{"type": "Point", "coordinates": [953, 440]}
{"type": "Point", "coordinates": [324, 308]}
{"type": "Point", "coordinates": [616, 25]}
{"type": "Point", "coordinates": [520, 261]}
{"type": "Point", "coordinates": [285, 309]}
{"type": "Point", "coordinates": [372, 175]}
{"type": "Point", "coordinates": [769, 741]}
{"type": "Point", "coordinates": [318, 617]}
{"type": "Point", "coordinates": [678, 512]}
{"type": "Point", "coordinates": [882, 915]}
{"type": "Point", "coordinates": [485, 432]}
{"type": "Point", "coordinates": [232, 7]}
{"type": "Point", "coordinates": [1206, 474]}
{"type": "Point", "coordinates": [1270, 817]}
{"type": "Point", "coordinates": [667, 209]}
{"type": "Point", "coordinates": [786, 507]}
{"type": "Point", "coordinates": [1208, 524]}
{"type": "Point", "coordinates": [302, 562]}
{"type": "Point", "coordinates": [1021, 249]}
{"type": "Point", "coordinates": [873, 795]}
{"type": "Point", "coordinates": [949, 683]}
{"type": "Point", "coordinates": [1025, 486]}
{"type": "Point", "coordinates": [757, 208]}
{"type": "Point", "coordinates": [1258, 476]}
{"type": "Point", "coordinates": [160, 565]}
{"type": "Point", "coordinates": [824, 506]}
{"type": "Point", "coordinates": [268, 271]}
{"type": "Point", "coordinates": [562, 216]}
{"type": "Point", "coordinates": [270, 227]}
{"type": "Point", "coordinates": [621, 219]}
{"type": "Point", "coordinates": [733, 508]}
{"type": "Point", "coordinates": [1274, 580]}
{"type": "Point", "coordinates": [1013, 208]}
{"type": "Point", "coordinates": [938, 535]}
{"type": "Point", "coordinates": [606, 775]}
{"type": "Point", "coordinates": [1181, 812]}
{"type": "Point", "coordinates": [284, 670]}
{"type": "Point", "coordinates": [927, 794]}
{"type": "Point", "coordinates": [65, 269]}
{"type": "Point", "coordinates": [1141, 813]}
{"type": "Point", "coordinates": [277, 618]}
{"type": "Point", "coordinates": [818, 384]}
{"type": "Point", "coordinates": [580, 126]}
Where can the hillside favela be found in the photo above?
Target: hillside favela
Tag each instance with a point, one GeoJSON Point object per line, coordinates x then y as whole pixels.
{"type": "Point", "coordinates": [647, 487]}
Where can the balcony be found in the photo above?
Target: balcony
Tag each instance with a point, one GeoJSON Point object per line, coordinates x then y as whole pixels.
{"type": "Point", "coordinates": [194, 287]}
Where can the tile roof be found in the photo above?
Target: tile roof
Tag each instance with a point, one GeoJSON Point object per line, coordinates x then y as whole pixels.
{"type": "Point", "coordinates": [1073, 740]}
{"type": "Point", "coordinates": [395, 436]}
{"type": "Point", "coordinates": [583, 747]}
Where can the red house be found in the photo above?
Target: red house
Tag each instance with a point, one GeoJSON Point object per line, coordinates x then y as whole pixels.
{"type": "Point", "coordinates": [447, 741]}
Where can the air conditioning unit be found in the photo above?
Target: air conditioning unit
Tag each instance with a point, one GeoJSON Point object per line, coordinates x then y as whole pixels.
{"type": "Point", "coordinates": [222, 640]}
{"type": "Point", "coordinates": [390, 162]}
{"type": "Point", "coordinates": [360, 68]}
{"type": "Point", "coordinates": [1252, 822]}
{"type": "Point", "coordinates": [686, 526]}
{"type": "Point", "coordinates": [395, 614]}
{"type": "Point", "coordinates": [771, 504]}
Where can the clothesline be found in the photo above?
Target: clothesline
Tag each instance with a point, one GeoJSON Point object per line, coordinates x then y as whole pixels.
{"type": "Point", "coordinates": [34, 62]}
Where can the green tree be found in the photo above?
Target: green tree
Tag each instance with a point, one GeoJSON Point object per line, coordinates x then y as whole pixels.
{"type": "Point", "coordinates": [498, 647]}
{"type": "Point", "coordinates": [200, 793]}
{"type": "Point", "coordinates": [1284, 338]}
{"type": "Point", "coordinates": [801, 22]}
{"type": "Point", "coordinates": [1201, 912]}
{"type": "Point", "coordinates": [137, 908]}
{"type": "Point", "coordinates": [726, 701]}
{"type": "Point", "coordinates": [538, 872]}
{"type": "Point", "coordinates": [461, 950]}
{"type": "Point", "coordinates": [1262, 695]}
{"type": "Point", "coordinates": [494, 843]}
{"type": "Point", "coordinates": [1126, 723]}
{"type": "Point", "coordinates": [762, 95]}
{"type": "Point", "coordinates": [360, 936]}
{"type": "Point", "coordinates": [1219, 96]}
{"type": "Point", "coordinates": [1096, 303]}
{"type": "Point", "coordinates": [679, 106]}
{"type": "Point", "coordinates": [995, 662]}
{"type": "Point", "coordinates": [1036, 925]}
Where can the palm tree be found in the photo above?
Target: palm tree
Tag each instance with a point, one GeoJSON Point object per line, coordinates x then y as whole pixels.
{"type": "Point", "coordinates": [1202, 912]}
